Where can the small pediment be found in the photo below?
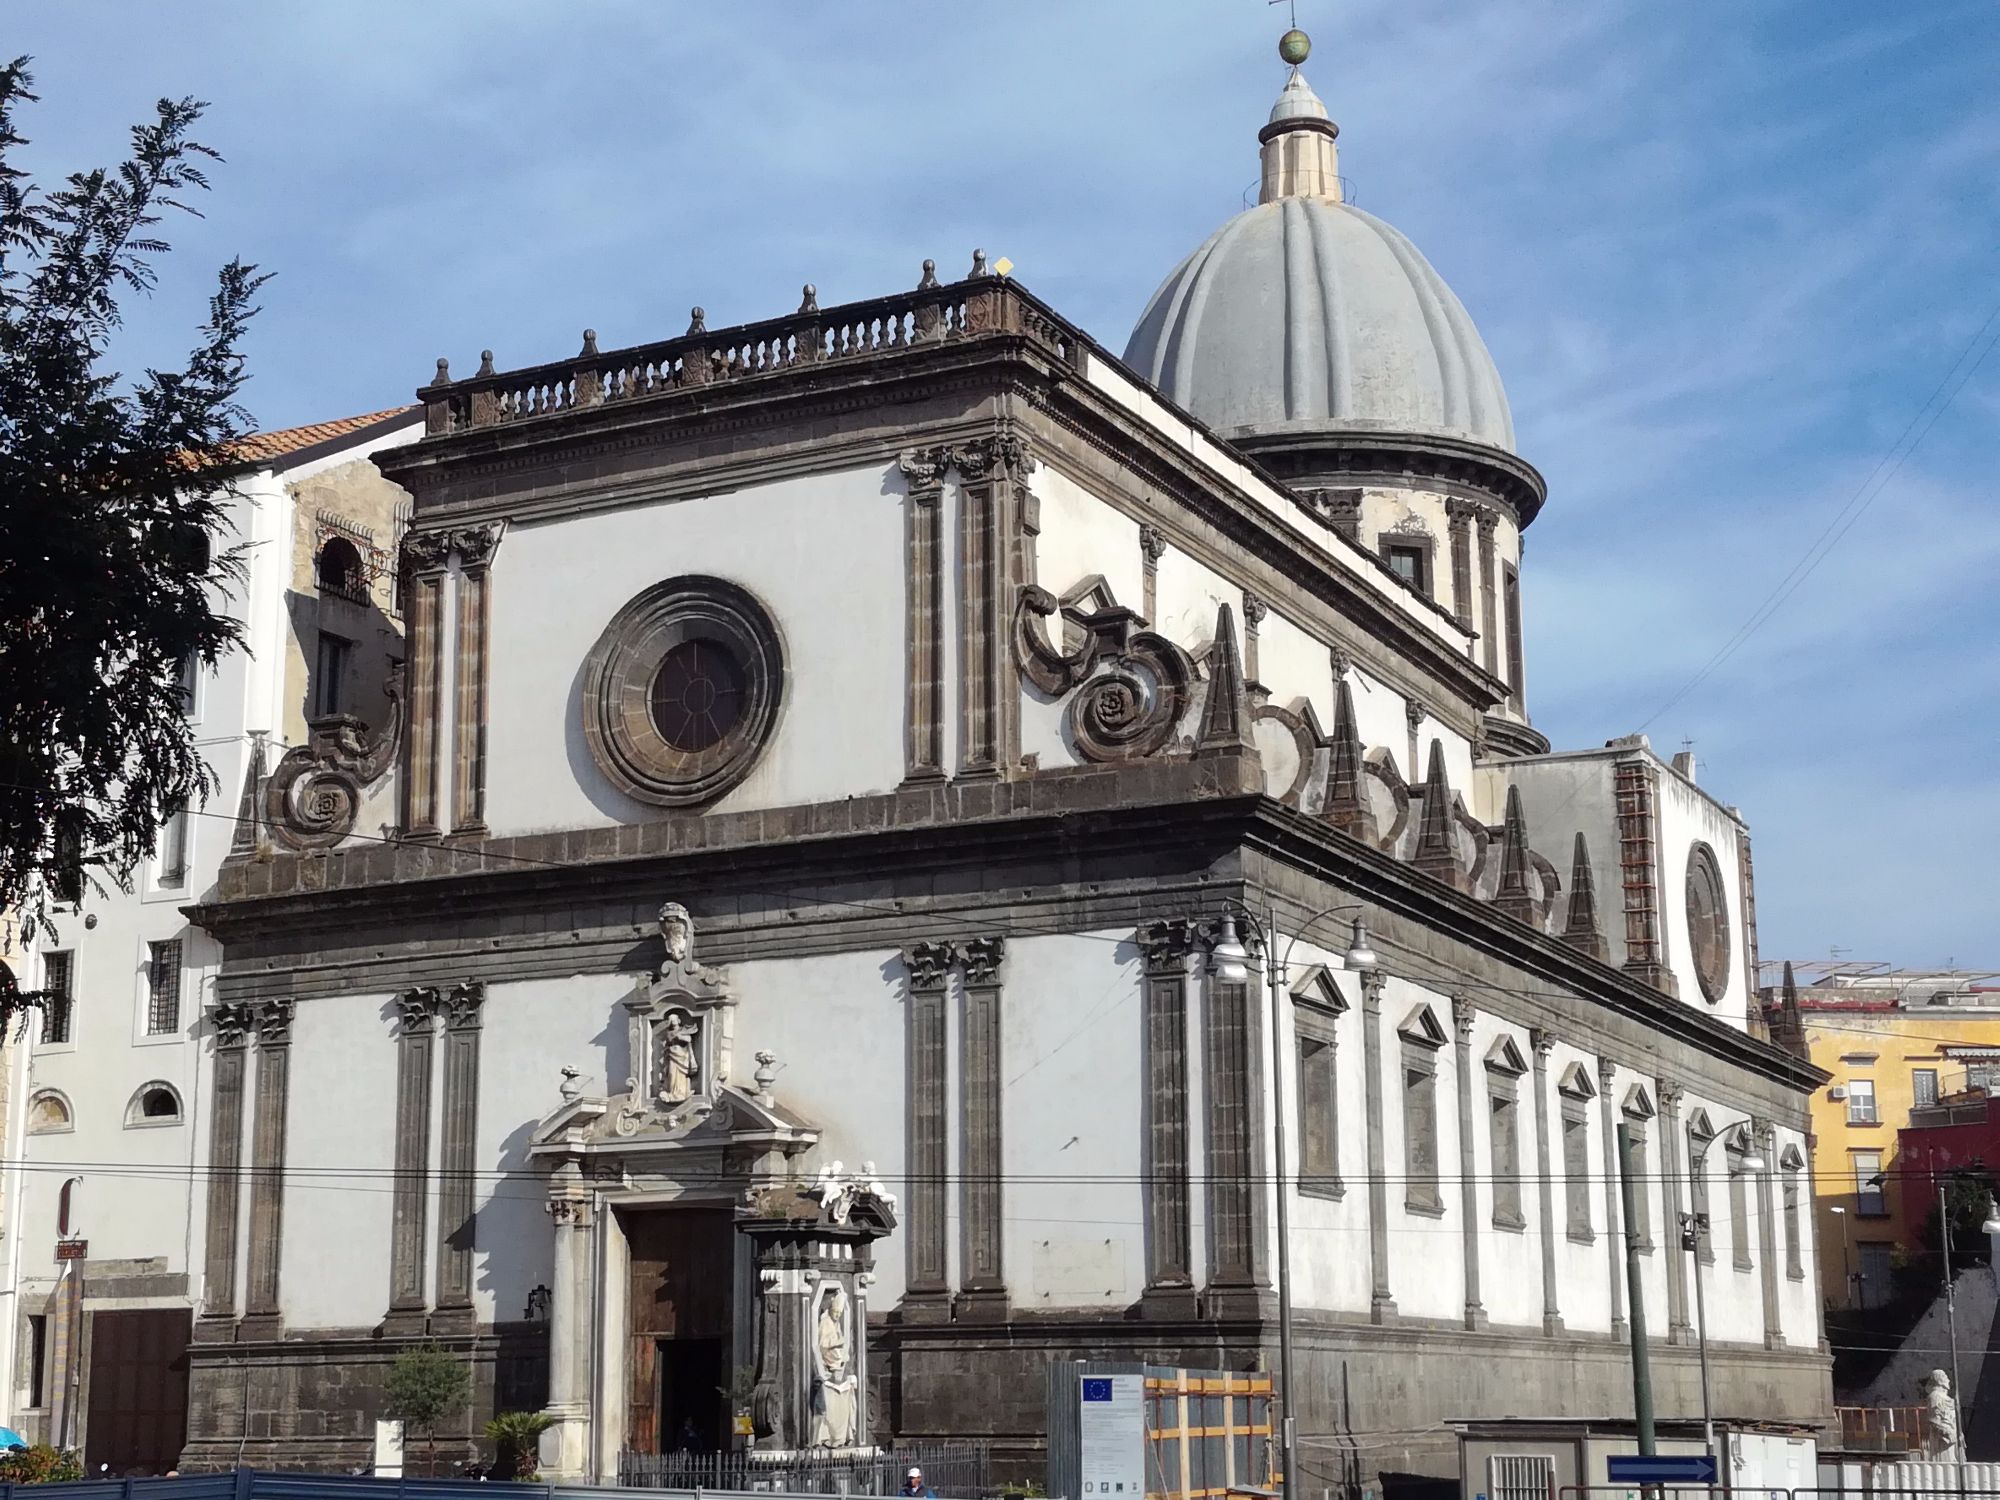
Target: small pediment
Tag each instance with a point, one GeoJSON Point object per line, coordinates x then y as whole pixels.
{"type": "Point", "coordinates": [1576, 1082]}
{"type": "Point", "coordinates": [1316, 990]}
{"type": "Point", "coordinates": [1420, 1027]}
{"type": "Point", "coordinates": [1700, 1126]}
{"type": "Point", "coordinates": [1793, 1160]}
{"type": "Point", "coordinates": [1638, 1103]}
{"type": "Point", "coordinates": [1504, 1057]}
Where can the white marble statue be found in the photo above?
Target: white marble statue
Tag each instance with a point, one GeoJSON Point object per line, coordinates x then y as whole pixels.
{"type": "Point", "coordinates": [679, 1060]}
{"type": "Point", "coordinates": [835, 1406]}
{"type": "Point", "coordinates": [676, 934]}
{"type": "Point", "coordinates": [1941, 1413]}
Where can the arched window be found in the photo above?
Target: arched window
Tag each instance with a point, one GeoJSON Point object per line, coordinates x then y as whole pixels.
{"type": "Point", "coordinates": [339, 569]}
{"type": "Point", "coordinates": [49, 1113]}
{"type": "Point", "coordinates": [156, 1103]}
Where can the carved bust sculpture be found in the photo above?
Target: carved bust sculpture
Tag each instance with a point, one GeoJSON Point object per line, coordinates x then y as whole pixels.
{"type": "Point", "coordinates": [676, 934]}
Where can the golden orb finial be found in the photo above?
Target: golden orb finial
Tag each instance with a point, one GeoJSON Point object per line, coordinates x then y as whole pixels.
{"type": "Point", "coordinates": [1295, 46]}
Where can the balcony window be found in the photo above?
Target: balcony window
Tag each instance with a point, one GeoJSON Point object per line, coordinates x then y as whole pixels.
{"type": "Point", "coordinates": [1861, 1102]}
{"type": "Point", "coordinates": [1870, 1202]}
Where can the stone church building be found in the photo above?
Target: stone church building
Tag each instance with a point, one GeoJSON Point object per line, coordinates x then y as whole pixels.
{"type": "Point", "coordinates": [845, 739]}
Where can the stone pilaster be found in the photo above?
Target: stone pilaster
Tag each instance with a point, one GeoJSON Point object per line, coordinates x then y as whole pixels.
{"type": "Point", "coordinates": [983, 597]}
{"type": "Point", "coordinates": [1463, 1013]}
{"type": "Point", "coordinates": [1540, 1044]}
{"type": "Point", "coordinates": [923, 574]}
{"type": "Point", "coordinates": [1152, 547]}
{"type": "Point", "coordinates": [1459, 514]}
{"type": "Point", "coordinates": [927, 1297]}
{"type": "Point", "coordinates": [1669, 1155]}
{"type": "Point", "coordinates": [457, 1159]}
{"type": "Point", "coordinates": [1381, 1306]}
{"type": "Point", "coordinates": [1765, 1134]}
{"type": "Point", "coordinates": [424, 560]}
{"type": "Point", "coordinates": [1614, 1224]}
{"type": "Point", "coordinates": [569, 1328]}
{"type": "Point", "coordinates": [1237, 1281]}
{"type": "Point", "coordinates": [474, 549]}
{"type": "Point", "coordinates": [409, 1230]}
{"type": "Point", "coordinates": [1489, 635]}
{"type": "Point", "coordinates": [1254, 611]}
{"type": "Point", "coordinates": [263, 1316]}
{"type": "Point", "coordinates": [231, 1025]}
{"type": "Point", "coordinates": [1635, 788]}
{"type": "Point", "coordinates": [983, 1294]}
{"type": "Point", "coordinates": [1167, 947]}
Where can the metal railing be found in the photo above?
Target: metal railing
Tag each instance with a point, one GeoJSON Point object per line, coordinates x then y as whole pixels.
{"type": "Point", "coordinates": [952, 1469]}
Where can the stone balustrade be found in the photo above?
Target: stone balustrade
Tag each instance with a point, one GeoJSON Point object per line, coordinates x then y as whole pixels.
{"type": "Point", "coordinates": [934, 313]}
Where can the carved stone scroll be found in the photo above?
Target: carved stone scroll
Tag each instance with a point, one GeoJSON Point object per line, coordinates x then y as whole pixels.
{"type": "Point", "coordinates": [314, 795]}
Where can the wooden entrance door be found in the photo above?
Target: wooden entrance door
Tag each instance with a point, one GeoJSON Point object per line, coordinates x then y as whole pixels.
{"type": "Point", "coordinates": [137, 1413]}
{"type": "Point", "coordinates": [683, 1270]}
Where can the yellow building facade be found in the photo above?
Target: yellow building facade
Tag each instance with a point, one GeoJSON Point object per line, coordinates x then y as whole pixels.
{"type": "Point", "coordinates": [1893, 1042]}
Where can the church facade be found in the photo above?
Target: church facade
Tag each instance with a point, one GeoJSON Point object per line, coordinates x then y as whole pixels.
{"type": "Point", "coordinates": [846, 739]}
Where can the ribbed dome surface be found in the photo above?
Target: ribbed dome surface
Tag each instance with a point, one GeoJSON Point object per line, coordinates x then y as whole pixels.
{"type": "Point", "coordinates": [1306, 313]}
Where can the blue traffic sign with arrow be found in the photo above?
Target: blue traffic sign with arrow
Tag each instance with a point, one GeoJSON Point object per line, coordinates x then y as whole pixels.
{"type": "Point", "coordinates": [1661, 1468]}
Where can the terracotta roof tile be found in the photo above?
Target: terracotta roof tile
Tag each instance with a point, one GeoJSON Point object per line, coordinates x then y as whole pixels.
{"type": "Point", "coordinates": [266, 446]}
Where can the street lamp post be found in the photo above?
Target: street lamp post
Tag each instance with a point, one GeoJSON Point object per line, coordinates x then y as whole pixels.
{"type": "Point", "coordinates": [1693, 1228]}
{"type": "Point", "coordinates": [1846, 1261]}
{"type": "Point", "coordinates": [1232, 964]}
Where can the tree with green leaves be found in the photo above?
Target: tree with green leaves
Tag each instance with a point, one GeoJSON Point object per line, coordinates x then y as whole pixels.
{"type": "Point", "coordinates": [425, 1386]}
{"type": "Point", "coordinates": [113, 491]}
{"type": "Point", "coordinates": [517, 1439]}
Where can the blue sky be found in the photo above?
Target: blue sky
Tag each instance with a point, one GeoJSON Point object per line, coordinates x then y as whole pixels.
{"type": "Point", "coordinates": [1722, 253]}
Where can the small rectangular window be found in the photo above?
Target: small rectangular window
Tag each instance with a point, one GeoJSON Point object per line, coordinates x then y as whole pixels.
{"type": "Point", "coordinates": [1642, 1180]}
{"type": "Point", "coordinates": [1861, 1102]}
{"type": "Point", "coordinates": [1576, 1169]}
{"type": "Point", "coordinates": [1319, 1163]}
{"type": "Point", "coordinates": [1521, 1476]}
{"type": "Point", "coordinates": [174, 847]}
{"type": "Point", "coordinates": [38, 1360]}
{"type": "Point", "coordinates": [1420, 1131]}
{"type": "Point", "coordinates": [330, 675]}
{"type": "Point", "coordinates": [1505, 1115]}
{"type": "Point", "coordinates": [190, 683]}
{"type": "Point", "coordinates": [1412, 565]}
{"type": "Point", "coordinates": [1739, 1211]}
{"type": "Point", "coordinates": [1870, 1202]}
{"type": "Point", "coordinates": [58, 996]}
{"type": "Point", "coordinates": [1923, 1087]}
{"type": "Point", "coordinates": [163, 984]}
{"type": "Point", "coordinates": [1698, 1154]}
{"type": "Point", "coordinates": [1510, 599]}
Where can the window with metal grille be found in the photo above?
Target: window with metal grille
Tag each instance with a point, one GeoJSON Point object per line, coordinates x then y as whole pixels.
{"type": "Point", "coordinates": [1923, 1087]}
{"type": "Point", "coordinates": [58, 970]}
{"type": "Point", "coordinates": [1521, 1476]}
{"type": "Point", "coordinates": [163, 999]}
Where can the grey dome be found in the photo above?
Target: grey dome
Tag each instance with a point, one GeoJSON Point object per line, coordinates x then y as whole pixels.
{"type": "Point", "coordinates": [1306, 314]}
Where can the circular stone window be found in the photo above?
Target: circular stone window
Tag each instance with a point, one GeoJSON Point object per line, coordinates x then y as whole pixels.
{"type": "Point", "coordinates": [681, 692]}
{"type": "Point", "coordinates": [1708, 922]}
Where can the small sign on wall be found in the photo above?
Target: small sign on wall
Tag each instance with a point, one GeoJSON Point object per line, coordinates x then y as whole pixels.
{"type": "Point", "coordinates": [1112, 1426]}
{"type": "Point", "coordinates": [72, 1249]}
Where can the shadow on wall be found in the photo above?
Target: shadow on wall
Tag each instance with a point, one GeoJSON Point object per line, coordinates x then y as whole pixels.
{"type": "Point", "coordinates": [348, 648]}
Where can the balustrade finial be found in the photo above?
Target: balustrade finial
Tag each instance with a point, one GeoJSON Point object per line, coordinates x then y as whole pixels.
{"type": "Point", "coordinates": [930, 276]}
{"type": "Point", "coordinates": [485, 362]}
{"type": "Point", "coordinates": [979, 264]}
{"type": "Point", "coordinates": [444, 372]}
{"type": "Point", "coordinates": [698, 322]}
{"type": "Point", "coordinates": [589, 350]}
{"type": "Point", "coordinates": [810, 304]}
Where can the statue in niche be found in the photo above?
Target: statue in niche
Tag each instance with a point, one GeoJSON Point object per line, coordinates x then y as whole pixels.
{"type": "Point", "coordinates": [1941, 1418]}
{"type": "Point", "coordinates": [834, 1405]}
{"type": "Point", "coordinates": [680, 1058]}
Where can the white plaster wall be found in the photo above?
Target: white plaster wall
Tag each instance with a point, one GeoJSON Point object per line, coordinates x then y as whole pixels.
{"type": "Point", "coordinates": [825, 556]}
{"type": "Point", "coordinates": [1073, 1105]}
{"type": "Point", "coordinates": [1426, 1254]}
{"type": "Point", "coordinates": [1330, 1236]}
{"type": "Point", "coordinates": [1081, 535]}
{"type": "Point", "coordinates": [1688, 815]}
{"type": "Point", "coordinates": [836, 1022]}
{"type": "Point", "coordinates": [340, 1155]}
{"type": "Point", "coordinates": [531, 1030]}
{"type": "Point", "coordinates": [1650, 1185]}
{"type": "Point", "coordinates": [1510, 1260]}
{"type": "Point", "coordinates": [1735, 1298]}
{"type": "Point", "coordinates": [1798, 1298]}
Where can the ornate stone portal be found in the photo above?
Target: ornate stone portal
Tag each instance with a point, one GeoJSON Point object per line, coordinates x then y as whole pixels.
{"type": "Point", "coordinates": [681, 1030]}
